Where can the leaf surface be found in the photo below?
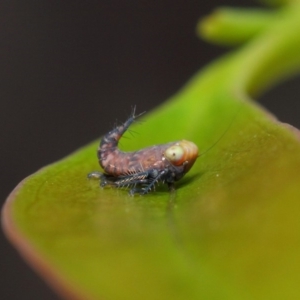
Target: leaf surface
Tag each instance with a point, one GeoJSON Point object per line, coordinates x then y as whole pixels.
{"type": "Point", "coordinates": [231, 229]}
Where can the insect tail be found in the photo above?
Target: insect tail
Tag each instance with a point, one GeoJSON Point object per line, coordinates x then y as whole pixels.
{"type": "Point", "coordinates": [112, 138]}
{"type": "Point", "coordinates": [133, 115]}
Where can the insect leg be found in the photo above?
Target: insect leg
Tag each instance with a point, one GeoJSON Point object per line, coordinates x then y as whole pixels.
{"type": "Point", "coordinates": [94, 175]}
{"type": "Point", "coordinates": [152, 181]}
{"type": "Point", "coordinates": [171, 186]}
{"type": "Point", "coordinates": [132, 179]}
{"type": "Point", "coordinates": [104, 178]}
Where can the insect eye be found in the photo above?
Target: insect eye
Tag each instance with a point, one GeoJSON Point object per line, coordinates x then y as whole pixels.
{"type": "Point", "coordinates": [175, 154]}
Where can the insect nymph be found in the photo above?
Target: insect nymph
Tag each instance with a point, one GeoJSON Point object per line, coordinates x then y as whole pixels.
{"type": "Point", "coordinates": [143, 169]}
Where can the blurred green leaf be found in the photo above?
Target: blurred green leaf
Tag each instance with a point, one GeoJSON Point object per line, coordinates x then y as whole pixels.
{"type": "Point", "coordinates": [279, 2]}
{"type": "Point", "coordinates": [231, 230]}
{"type": "Point", "coordinates": [232, 26]}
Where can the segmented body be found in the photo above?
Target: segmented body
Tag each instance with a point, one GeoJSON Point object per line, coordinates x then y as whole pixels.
{"type": "Point", "coordinates": [142, 169]}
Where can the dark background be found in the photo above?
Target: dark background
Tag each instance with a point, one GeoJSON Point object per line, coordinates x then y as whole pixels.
{"type": "Point", "coordinates": [69, 69]}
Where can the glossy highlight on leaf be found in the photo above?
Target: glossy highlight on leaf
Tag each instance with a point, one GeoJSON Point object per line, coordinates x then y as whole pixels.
{"type": "Point", "coordinates": [231, 228]}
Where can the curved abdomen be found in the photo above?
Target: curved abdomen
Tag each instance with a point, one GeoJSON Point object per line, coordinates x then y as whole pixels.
{"type": "Point", "coordinates": [116, 162]}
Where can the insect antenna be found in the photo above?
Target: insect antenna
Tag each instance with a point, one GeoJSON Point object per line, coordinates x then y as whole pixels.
{"type": "Point", "coordinates": [223, 134]}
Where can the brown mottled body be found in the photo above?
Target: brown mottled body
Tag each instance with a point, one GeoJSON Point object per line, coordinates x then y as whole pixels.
{"type": "Point", "coordinates": [167, 163]}
{"type": "Point", "coordinates": [118, 163]}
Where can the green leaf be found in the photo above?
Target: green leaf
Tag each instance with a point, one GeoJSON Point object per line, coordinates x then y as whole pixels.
{"type": "Point", "coordinates": [231, 26]}
{"type": "Point", "coordinates": [231, 229]}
